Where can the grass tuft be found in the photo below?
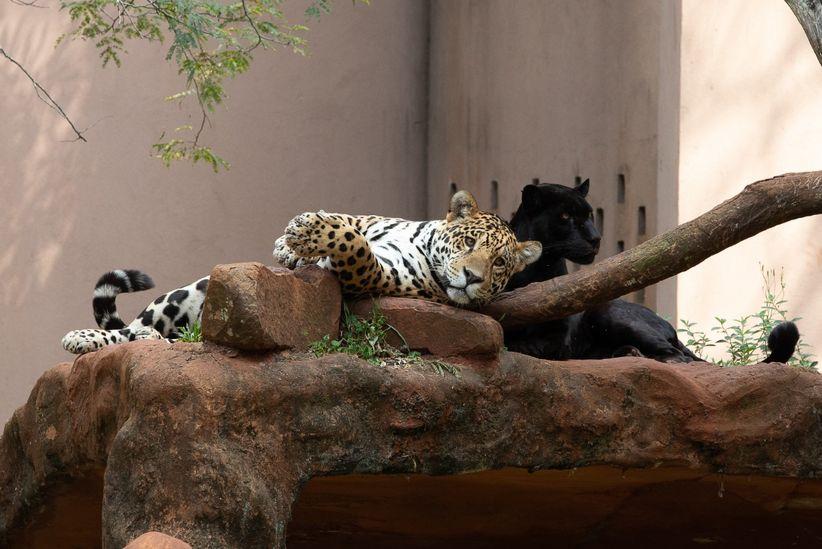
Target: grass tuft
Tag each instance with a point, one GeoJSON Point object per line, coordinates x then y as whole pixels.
{"type": "Point", "coordinates": [366, 338]}
{"type": "Point", "coordinates": [191, 334]}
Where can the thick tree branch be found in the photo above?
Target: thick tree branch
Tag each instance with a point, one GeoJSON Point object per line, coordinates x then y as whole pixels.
{"type": "Point", "coordinates": [758, 207]}
{"type": "Point", "coordinates": [809, 14]}
{"type": "Point", "coordinates": [44, 95]}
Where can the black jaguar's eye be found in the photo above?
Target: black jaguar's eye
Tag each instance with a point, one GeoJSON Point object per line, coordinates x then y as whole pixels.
{"type": "Point", "coordinates": [564, 215]}
{"type": "Point", "coordinates": [470, 241]}
{"type": "Point", "coordinates": [499, 262]}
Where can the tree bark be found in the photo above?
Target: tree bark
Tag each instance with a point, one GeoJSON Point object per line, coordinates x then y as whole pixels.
{"type": "Point", "coordinates": [759, 206]}
{"type": "Point", "coordinates": [809, 14]}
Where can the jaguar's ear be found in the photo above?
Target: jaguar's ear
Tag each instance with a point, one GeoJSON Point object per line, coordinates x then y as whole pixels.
{"type": "Point", "coordinates": [531, 198]}
{"type": "Point", "coordinates": [462, 206]}
{"type": "Point", "coordinates": [530, 193]}
{"type": "Point", "coordinates": [582, 188]}
{"type": "Point", "coordinates": [528, 252]}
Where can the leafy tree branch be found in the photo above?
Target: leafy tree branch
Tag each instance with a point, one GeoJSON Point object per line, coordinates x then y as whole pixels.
{"type": "Point", "coordinates": [210, 42]}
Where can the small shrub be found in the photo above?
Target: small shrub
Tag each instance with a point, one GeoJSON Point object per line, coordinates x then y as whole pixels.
{"type": "Point", "coordinates": [192, 333]}
{"type": "Point", "coordinates": [746, 338]}
{"type": "Point", "coordinates": [366, 338]}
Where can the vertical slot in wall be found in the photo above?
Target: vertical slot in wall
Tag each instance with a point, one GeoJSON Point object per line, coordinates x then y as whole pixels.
{"type": "Point", "coordinates": [640, 222]}
{"type": "Point", "coordinates": [621, 189]}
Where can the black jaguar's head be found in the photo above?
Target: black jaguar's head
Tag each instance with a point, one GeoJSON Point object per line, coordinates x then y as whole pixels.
{"type": "Point", "coordinates": [561, 219]}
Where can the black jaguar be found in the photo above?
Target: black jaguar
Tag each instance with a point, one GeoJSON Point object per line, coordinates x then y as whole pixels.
{"type": "Point", "coordinates": [562, 220]}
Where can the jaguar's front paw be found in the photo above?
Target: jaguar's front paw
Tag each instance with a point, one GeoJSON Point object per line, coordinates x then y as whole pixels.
{"type": "Point", "coordinates": [307, 235]}
{"type": "Point", "coordinates": [284, 255]}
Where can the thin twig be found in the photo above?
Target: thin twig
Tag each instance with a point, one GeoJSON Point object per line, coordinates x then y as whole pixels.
{"type": "Point", "coordinates": [45, 97]}
{"type": "Point", "coordinates": [198, 92]}
{"type": "Point", "coordinates": [32, 4]}
{"type": "Point", "coordinates": [253, 27]}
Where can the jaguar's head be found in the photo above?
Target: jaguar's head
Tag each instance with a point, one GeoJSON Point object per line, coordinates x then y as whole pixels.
{"type": "Point", "coordinates": [477, 253]}
{"type": "Point", "coordinates": [561, 218]}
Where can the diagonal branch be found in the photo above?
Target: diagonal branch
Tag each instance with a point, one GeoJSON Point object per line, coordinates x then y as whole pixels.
{"type": "Point", "coordinates": [758, 207]}
{"type": "Point", "coordinates": [44, 95]}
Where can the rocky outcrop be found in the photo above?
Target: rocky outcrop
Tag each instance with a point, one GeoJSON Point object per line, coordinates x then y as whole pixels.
{"type": "Point", "coordinates": [212, 448]}
{"type": "Point", "coordinates": [257, 308]}
{"type": "Point", "coordinates": [435, 328]}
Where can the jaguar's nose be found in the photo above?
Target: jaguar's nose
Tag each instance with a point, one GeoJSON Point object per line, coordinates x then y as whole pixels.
{"type": "Point", "coordinates": [471, 277]}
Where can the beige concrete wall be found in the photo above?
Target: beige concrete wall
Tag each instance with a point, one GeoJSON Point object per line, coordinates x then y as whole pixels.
{"type": "Point", "coordinates": [751, 108]}
{"type": "Point", "coordinates": [543, 89]}
{"type": "Point", "coordinates": [557, 90]}
{"type": "Point", "coordinates": [689, 100]}
{"type": "Point", "coordinates": [343, 129]}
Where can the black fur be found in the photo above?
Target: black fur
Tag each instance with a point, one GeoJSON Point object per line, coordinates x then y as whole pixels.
{"type": "Point", "coordinates": [561, 219]}
{"type": "Point", "coordinates": [782, 342]}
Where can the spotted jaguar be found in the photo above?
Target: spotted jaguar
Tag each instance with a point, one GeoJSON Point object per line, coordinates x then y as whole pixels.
{"type": "Point", "coordinates": [465, 259]}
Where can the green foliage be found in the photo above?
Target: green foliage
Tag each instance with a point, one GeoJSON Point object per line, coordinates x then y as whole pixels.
{"type": "Point", "coordinates": [366, 338]}
{"type": "Point", "coordinates": [209, 40]}
{"type": "Point", "coordinates": [697, 340]}
{"type": "Point", "coordinates": [745, 339]}
{"type": "Point", "coordinates": [192, 334]}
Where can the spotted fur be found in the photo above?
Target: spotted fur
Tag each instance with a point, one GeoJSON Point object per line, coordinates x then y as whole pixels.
{"type": "Point", "coordinates": [160, 320]}
{"type": "Point", "coordinates": [465, 259]}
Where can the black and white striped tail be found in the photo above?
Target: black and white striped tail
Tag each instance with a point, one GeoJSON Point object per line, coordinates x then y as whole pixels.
{"type": "Point", "coordinates": [108, 287]}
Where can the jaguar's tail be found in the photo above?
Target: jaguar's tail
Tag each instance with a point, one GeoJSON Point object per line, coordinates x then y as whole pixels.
{"type": "Point", "coordinates": [782, 342]}
{"type": "Point", "coordinates": [108, 287]}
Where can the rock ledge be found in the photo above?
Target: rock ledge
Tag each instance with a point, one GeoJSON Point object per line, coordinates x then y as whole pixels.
{"type": "Point", "coordinates": [213, 449]}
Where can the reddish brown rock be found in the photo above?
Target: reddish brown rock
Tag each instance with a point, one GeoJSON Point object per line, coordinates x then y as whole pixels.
{"type": "Point", "coordinates": [253, 307]}
{"type": "Point", "coordinates": [214, 449]}
{"type": "Point", "coordinates": [157, 540]}
{"type": "Point", "coordinates": [435, 328]}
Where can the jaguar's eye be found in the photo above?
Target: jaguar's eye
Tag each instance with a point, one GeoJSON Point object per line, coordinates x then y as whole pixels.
{"type": "Point", "coordinates": [470, 241]}
{"type": "Point", "coordinates": [565, 215]}
{"type": "Point", "coordinates": [499, 262]}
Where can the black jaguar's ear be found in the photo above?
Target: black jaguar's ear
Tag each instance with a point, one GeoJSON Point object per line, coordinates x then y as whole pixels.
{"type": "Point", "coordinates": [531, 197]}
{"type": "Point", "coordinates": [462, 205]}
{"type": "Point", "coordinates": [582, 188]}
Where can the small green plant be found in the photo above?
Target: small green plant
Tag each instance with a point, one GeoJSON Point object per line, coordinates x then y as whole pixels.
{"type": "Point", "coordinates": [366, 338]}
{"type": "Point", "coordinates": [745, 339]}
{"type": "Point", "coordinates": [442, 368]}
{"type": "Point", "coordinates": [191, 334]}
{"type": "Point", "coordinates": [697, 340]}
